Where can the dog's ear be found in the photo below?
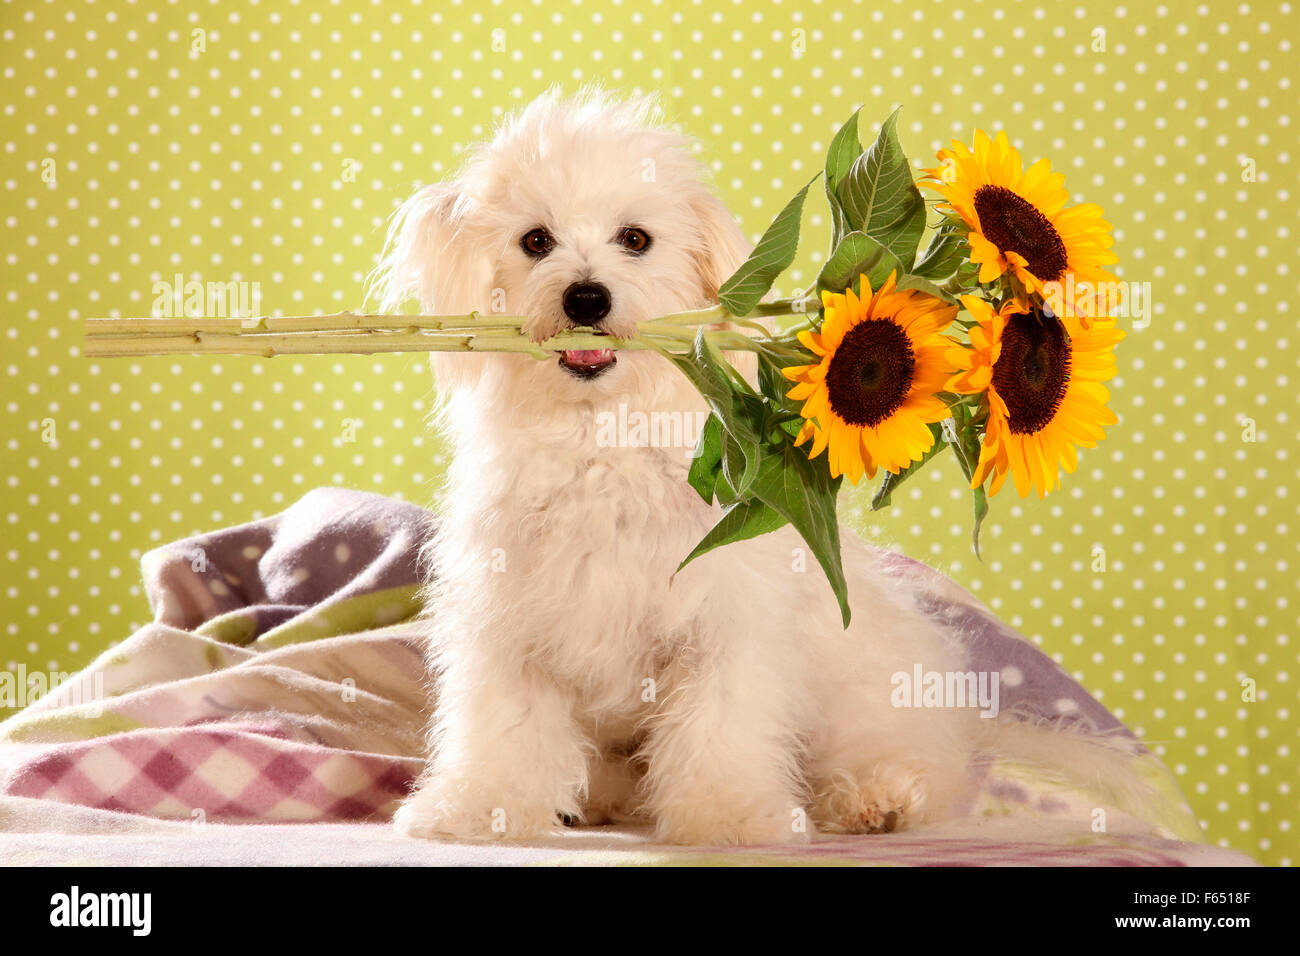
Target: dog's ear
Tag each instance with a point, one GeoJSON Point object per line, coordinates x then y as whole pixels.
{"type": "Point", "coordinates": [431, 257]}
{"type": "Point", "coordinates": [427, 256]}
{"type": "Point", "coordinates": [723, 246]}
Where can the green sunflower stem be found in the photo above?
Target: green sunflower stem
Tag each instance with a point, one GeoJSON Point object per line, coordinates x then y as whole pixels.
{"type": "Point", "coordinates": [349, 333]}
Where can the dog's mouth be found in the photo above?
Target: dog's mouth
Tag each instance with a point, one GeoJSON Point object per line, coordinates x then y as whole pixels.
{"type": "Point", "coordinates": [587, 363]}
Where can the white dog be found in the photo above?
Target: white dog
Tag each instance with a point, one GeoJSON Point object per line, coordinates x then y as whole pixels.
{"type": "Point", "coordinates": [576, 677]}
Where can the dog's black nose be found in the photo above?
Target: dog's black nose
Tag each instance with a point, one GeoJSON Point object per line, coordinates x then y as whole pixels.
{"type": "Point", "coordinates": [586, 302]}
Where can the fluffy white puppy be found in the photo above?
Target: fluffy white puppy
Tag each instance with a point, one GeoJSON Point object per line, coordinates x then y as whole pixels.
{"type": "Point", "coordinates": [575, 676]}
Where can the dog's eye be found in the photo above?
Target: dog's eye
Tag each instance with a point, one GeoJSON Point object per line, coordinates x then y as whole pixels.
{"type": "Point", "coordinates": [537, 242]}
{"type": "Point", "coordinates": [635, 241]}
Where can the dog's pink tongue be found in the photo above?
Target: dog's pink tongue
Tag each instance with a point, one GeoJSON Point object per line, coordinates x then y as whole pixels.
{"type": "Point", "coordinates": [588, 356]}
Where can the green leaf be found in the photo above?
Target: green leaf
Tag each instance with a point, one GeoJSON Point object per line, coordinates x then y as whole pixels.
{"type": "Point", "coordinates": [772, 256]}
{"type": "Point", "coordinates": [880, 198]}
{"type": "Point", "coordinates": [966, 445]}
{"type": "Point", "coordinates": [804, 493]}
{"type": "Point", "coordinates": [712, 375]}
{"type": "Point", "coordinates": [856, 255]}
{"type": "Point", "coordinates": [980, 502]}
{"type": "Point", "coordinates": [740, 463]}
{"type": "Point", "coordinates": [926, 286]}
{"type": "Point", "coordinates": [739, 410]}
{"type": "Point", "coordinates": [844, 149]}
{"type": "Point", "coordinates": [967, 275]}
{"type": "Point", "coordinates": [707, 460]}
{"type": "Point", "coordinates": [954, 433]}
{"type": "Point", "coordinates": [744, 519]}
{"type": "Point", "coordinates": [755, 467]}
{"type": "Point", "coordinates": [884, 493]}
{"type": "Point", "coordinates": [945, 253]}
{"type": "Point", "coordinates": [772, 383]}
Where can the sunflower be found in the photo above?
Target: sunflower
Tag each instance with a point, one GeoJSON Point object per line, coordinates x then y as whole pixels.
{"type": "Point", "coordinates": [871, 395]}
{"type": "Point", "coordinates": [1045, 396]}
{"type": "Point", "coordinates": [1020, 222]}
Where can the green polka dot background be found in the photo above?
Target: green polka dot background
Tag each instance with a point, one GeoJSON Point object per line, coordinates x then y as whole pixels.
{"type": "Point", "coordinates": [267, 143]}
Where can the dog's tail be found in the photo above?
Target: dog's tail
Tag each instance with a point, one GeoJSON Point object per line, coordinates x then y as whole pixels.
{"type": "Point", "coordinates": [1113, 769]}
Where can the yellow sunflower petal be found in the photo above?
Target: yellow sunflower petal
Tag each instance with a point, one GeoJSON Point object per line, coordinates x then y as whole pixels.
{"type": "Point", "coordinates": [987, 256]}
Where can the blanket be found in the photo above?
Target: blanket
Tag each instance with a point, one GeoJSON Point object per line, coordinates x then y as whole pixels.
{"type": "Point", "coordinates": [281, 683]}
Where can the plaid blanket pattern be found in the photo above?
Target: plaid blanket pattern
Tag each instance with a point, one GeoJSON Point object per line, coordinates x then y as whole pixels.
{"type": "Point", "coordinates": [238, 772]}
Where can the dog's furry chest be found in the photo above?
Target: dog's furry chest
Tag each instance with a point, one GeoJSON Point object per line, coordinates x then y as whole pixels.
{"type": "Point", "coordinates": [613, 534]}
{"type": "Point", "coordinates": [584, 551]}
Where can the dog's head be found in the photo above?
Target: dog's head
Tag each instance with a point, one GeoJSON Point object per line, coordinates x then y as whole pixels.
{"type": "Point", "coordinates": [583, 213]}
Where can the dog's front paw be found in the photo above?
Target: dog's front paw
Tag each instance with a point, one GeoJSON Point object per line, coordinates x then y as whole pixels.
{"type": "Point", "coordinates": [431, 817]}
{"type": "Point", "coordinates": [429, 822]}
{"type": "Point", "coordinates": [741, 826]}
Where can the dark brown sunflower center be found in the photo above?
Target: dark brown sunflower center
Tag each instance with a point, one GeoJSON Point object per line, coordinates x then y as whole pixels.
{"type": "Point", "coordinates": [1012, 223]}
{"type": "Point", "coordinates": [871, 372]}
{"type": "Point", "coordinates": [1033, 370]}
